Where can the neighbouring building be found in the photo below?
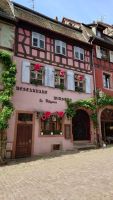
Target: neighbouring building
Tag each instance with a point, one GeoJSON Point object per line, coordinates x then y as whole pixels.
{"type": "Point", "coordinates": [100, 35]}
{"type": "Point", "coordinates": [7, 29]}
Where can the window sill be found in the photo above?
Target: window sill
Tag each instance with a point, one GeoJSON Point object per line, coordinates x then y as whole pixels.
{"type": "Point", "coordinates": [52, 135]}
{"type": "Point", "coordinates": [61, 55]}
{"type": "Point", "coordinates": [38, 48]}
{"type": "Point", "coordinates": [75, 59]}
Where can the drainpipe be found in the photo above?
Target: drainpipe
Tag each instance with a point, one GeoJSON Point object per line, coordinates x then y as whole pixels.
{"type": "Point", "coordinates": [98, 140]}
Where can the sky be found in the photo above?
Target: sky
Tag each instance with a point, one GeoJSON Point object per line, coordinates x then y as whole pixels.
{"type": "Point", "coordinates": [85, 11]}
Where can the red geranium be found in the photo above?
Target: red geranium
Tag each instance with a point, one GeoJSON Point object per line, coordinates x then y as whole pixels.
{"type": "Point", "coordinates": [47, 114]}
{"type": "Point", "coordinates": [62, 72]}
{"type": "Point", "coordinates": [37, 67]}
{"type": "Point", "coordinates": [60, 114]}
{"type": "Point", "coordinates": [81, 77]}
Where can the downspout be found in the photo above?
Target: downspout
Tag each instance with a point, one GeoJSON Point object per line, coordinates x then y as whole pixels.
{"type": "Point", "coordinates": [98, 139]}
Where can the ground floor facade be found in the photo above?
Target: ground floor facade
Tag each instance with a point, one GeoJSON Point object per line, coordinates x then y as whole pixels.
{"type": "Point", "coordinates": [39, 124]}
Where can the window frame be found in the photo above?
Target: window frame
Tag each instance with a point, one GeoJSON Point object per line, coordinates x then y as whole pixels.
{"type": "Point", "coordinates": [39, 37]}
{"type": "Point", "coordinates": [79, 89]}
{"type": "Point", "coordinates": [79, 51]}
{"type": "Point", "coordinates": [37, 73]}
{"type": "Point", "coordinates": [61, 46]}
{"type": "Point", "coordinates": [57, 71]}
{"type": "Point", "coordinates": [51, 123]}
{"type": "Point", "coordinates": [103, 56]}
{"type": "Point", "coordinates": [109, 75]}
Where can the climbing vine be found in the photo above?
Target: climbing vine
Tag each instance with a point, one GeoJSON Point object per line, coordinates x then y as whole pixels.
{"type": "Point", "coordinates": [92, 104]}
{"type": "Point", "coordinates": [8, 80]}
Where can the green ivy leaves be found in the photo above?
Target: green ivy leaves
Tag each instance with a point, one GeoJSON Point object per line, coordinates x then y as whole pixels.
{"type": "Point", "coordinates": [8, 82]}
{"type": "Point", "coordinates": [92, 104]}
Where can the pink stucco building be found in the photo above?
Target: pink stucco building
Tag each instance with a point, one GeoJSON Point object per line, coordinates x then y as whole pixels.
{"type": "Point", "coordinates": [53, 64]}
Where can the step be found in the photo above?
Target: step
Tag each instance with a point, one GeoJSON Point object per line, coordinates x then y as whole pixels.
{"type": "Point", "coordinates": [84, 146]}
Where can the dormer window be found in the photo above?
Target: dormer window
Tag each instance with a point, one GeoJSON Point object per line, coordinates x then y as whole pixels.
{"type": "Point", "coordinates": [98, 33]}
{"type": "Point", "coordinates": [60, 47]}
{"type": "Point", "coordinates": [38, 40]}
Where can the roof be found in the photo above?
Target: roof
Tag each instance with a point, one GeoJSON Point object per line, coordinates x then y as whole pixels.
{"type": "Point", "coordinates": [45, 22]}
{"type": "Point", "coordinates": [7, 7]}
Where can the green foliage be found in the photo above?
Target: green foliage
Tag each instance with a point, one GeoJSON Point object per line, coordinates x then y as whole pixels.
{"type": "Point", "coordinates": [91, 104]}
{"type": "Point", "coordinates": [8, 82]}
{"type": "Point", "coordinates": [61, 86]}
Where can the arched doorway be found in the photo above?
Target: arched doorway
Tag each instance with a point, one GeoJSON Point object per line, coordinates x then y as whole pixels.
{"type": "Point", "coordinates": [81, 126]}
{"type": "Point", "coordinates": [107, 125]}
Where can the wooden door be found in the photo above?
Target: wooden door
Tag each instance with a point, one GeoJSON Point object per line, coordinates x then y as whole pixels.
{"type": "Point", "coordinates": [23, 140]}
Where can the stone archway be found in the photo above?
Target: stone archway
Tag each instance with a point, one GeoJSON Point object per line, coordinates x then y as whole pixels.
{"type": "Point", "coordinates": [81, 126]}
{"type": "Point", "coordinates": [107, 125]}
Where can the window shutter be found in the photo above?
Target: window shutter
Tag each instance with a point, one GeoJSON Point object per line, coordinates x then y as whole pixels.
{"type": "Point", "coordinates": [70, 80]}
{"type": "Point", "coordinates": [111, 56]}
{"type": "Point", "coordinates": [88, 83]}
{"type": "Point", "coordinates": [98, 52]}
{"type": "Point", "coordinates": [25, 71]}
{"type": "Point", "coordinates": [49, 76]}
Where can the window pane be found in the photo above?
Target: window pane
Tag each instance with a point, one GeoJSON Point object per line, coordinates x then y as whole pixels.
{"type": "Point", "coordinates": [76, 54]}
{"type": "Point", "coordinates": [57, 49]}
{"type": "Point", "coordinates": [25, 117]}
{"type": "Point", "coordinates": [35, 42]}
{"type": "Point", "coordinates": [33, 75]}
{"type": "Point", "coordinates": [106, 80]}
{"type": "Point", "coordinates": [63, 51]}
{"type": "Point", "coordinates": [81, 56]}
{"type": "Point", "coordinates": [41, 44]}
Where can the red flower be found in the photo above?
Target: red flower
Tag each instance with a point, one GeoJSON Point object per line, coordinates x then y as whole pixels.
{"type": "Point", "coordinates": [60, 114]}
{"type": "Point", "coordinates": [62, 72]}
{"type": "Point", "coordinates": [37, 67]}
{"type": "Point", "coordinates": [81, 77]}
{"type": "Point", "coordinates": [47, 114]}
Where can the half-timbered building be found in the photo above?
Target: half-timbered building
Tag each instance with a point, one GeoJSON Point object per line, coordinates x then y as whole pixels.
{"type": "Point", "coordinates": [100, 35]}
{"type": "Point", "coordinates": [53, 65]}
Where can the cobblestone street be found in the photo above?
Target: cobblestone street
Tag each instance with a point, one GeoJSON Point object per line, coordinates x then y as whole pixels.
{"type": "Point", "coordinates": [81, 176]}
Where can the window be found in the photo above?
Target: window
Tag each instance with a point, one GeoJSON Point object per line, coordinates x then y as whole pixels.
{"type": "Point", "coordinates": [79, 83]}
{"type": "Point", "coordinates": [51, 126]}
{"type": "Point", "coordinates": [60, 47]}
{"type": "Point", "coordinates": [106, 80]}
{"type": "Point", "coordinates": [38, 40]}
{"type": "Point", "coordinates": [104, 53]}
{"type": "Point", "coordinates": [36, 77]}
{"type": "Point", "coordinates": [59, 79]}
{"type": "Point", "coordinates": [25, 117]}
{"type": "Point", "coordinates": [79, 53]}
